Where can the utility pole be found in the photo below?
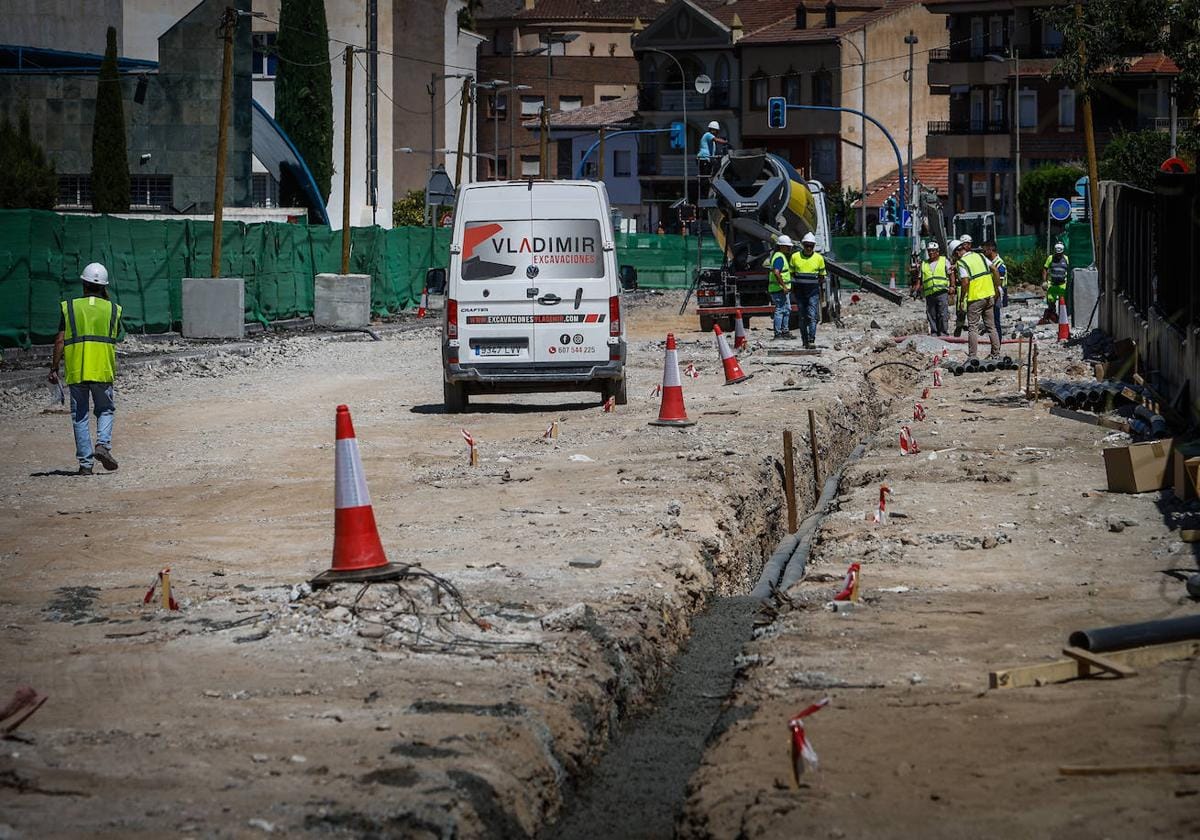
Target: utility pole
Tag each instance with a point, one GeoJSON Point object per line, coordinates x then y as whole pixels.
{"type": "Point", "coordinates": [862, 157]}
{"type": "Point", "coordinates": [600, 167]}
{"type": "Point", "coordinates": [228, 26]}
{"type": "Point", "coordinates": [1174, 121]}
{"type": "Point", "coordinates": [912, 41]}
{"type": "Point", "coordinates": [1089, 137]}
{"type": "Point", "coordinates": [1017, 142]}
{"type": "Point", "coordinates": [433, 80]}
{"type": "Point", "coordinates": [346, 136]}
{"type": "Point", "coordinates": [462, 128]}
{"type": "Point", "coordinates": [544, 140]}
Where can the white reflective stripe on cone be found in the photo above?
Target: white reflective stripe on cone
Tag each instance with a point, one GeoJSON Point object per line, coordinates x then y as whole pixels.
{"type": "Point", "coordinates": [350, 484]}
{"type": "Point", "coordinates": [723, 347]}
{"type": "Point", "coordinates": [671, 371]}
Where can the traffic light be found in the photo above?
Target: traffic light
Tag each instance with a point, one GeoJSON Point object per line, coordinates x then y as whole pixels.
{"type": "Point", "coordinates": [677, 135]}
{"type": "Point", "coordinates": [776, 112]}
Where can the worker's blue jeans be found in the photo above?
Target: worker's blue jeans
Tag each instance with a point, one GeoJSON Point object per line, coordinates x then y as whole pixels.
{"type": "Point", "coordinates": [783, 311]}
{"type": "Point", "coordinates": [808, 299]}
{"type": "Point", "coordinates": [101, 395]}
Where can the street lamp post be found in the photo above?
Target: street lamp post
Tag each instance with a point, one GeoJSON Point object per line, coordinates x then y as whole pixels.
{"type": "Point", "coordinates": [862, 204]}
{"type": "Point", "coordinates": [514, 114]}
{"type": "Point", "coordinates": [551, 39]}
{"type": "Point", "coordinates": [683, 95]}
{"type": "Point", "coordinates": [912, 41]}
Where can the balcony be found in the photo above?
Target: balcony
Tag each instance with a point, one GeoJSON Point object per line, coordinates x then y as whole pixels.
{"type": "Point", "coordinates": [944, 73]}
{"type": "Point", "coordinates": [1182, 123]}
{"type": "Point", "coordinates": [968, 138]}
{"type": "Point", "coordinates": [670, 98]}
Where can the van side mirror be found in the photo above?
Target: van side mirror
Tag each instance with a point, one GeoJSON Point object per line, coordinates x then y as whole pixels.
{"type": "Point", "coordinates": [628, 275]}
{"type": "Point", "coordinates": [435, 281]}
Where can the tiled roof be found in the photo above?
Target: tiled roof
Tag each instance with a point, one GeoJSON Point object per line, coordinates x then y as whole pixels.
{"type": "Point", "coordinates": [613, 112]}
{"type": "Point", "coordinates": [785, 31]}
{"type": "Point", "coordinates": [934, 173]}
{"type": "Point", "coordinates": [757, 14]}
{"type": "Point", "coordinates": [581, 10]}
{"type": "Point", "coordinates": [1148, 64]}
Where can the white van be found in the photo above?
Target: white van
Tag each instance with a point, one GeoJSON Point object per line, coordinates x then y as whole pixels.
{"type": "Point", "coordinates": [533, 301]}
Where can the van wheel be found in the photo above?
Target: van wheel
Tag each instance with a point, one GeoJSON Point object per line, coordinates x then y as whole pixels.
{"type": "Point", "coordinates": [615, 388]}
{"type": "Point", "coordinates": [454, 397]}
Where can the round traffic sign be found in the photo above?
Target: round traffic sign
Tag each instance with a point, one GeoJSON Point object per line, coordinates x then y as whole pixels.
{"type": "Point", "coordinates": [1060, 209]}
{"type": "Point", "coordinates": [1174, 165]}
{"type": "Point", "coordinates": [703, 84]}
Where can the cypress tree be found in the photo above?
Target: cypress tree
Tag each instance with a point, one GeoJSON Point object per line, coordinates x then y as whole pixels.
{"type": "Point", "coordinates": [27, 179]}
{"type": "Point", "coordinates": [304, 90]}
{"type": "Point", "coordinates": [110, 159]}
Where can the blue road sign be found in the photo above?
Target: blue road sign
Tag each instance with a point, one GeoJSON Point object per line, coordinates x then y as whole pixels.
{"type": "Point", "coordinates": [1060, 209]}
{"type": "Point", "coordinates": [1081, 187]}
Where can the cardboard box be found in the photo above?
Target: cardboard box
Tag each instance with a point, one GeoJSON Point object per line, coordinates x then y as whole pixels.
{"type": "Point", "coordinates": [1185, 462]}
{"type": "Point", "coordinates": [1139, 468]}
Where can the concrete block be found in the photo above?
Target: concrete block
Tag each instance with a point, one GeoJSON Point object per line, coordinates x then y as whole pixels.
{"type": "Point", "coordinates": [214, 307]}
{"type": "Point", "coordinates": [1085, 289]}
{"type": "Point", "coordinates": [342, 300]}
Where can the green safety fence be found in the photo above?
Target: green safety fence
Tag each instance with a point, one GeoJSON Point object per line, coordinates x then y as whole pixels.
{"type": "Point", "coordinates": [42, 254]}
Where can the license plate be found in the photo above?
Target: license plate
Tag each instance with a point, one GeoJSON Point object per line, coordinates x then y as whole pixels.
{"type": "Point", "coordinates": [498, 350]}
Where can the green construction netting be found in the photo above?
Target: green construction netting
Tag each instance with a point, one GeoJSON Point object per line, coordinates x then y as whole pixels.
{"type": "Point", "coordinates": [42, 254]}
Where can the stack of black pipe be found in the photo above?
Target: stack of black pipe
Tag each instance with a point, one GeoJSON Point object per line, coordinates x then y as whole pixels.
{"type": "Point", "coordinates": [980, 365]}
{"type": "Point", "coordinates": [1095, 396]}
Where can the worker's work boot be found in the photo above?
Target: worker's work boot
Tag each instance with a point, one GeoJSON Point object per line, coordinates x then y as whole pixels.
{"type": "Point", "coordinates": [104, 456]}
{"type": "Point", "coordinates": [84, 471]}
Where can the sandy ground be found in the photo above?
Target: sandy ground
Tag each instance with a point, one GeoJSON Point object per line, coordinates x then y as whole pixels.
{"type": "Point", "coordinates": [470, 704]}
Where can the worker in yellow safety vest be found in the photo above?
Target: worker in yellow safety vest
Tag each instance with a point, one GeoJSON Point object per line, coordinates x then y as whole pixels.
{"type": "Point", "coordinates": [808, 275]}
{"type": "Point", "coordinates": [934, 286]}
{"type": "Point", "coordinates": [1055, 276]}
{"type": "Point", "coordinates": [977, 282]}
{"type": "Point", "coordinates": [779, 285]}
{"type": "Point", "coordinates": [88, 330]}
{"type": "Point", "coordinates": [992, 254]}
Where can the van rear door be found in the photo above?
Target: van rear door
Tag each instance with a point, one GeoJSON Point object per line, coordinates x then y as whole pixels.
{"type": "Point", "coordinates": [570, 259]}
{"type": "Point", "coordinates": [495, 311]}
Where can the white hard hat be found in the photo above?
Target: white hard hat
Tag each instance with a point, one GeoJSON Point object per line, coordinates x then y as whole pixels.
{"type": "Point", "coordinates": [1058, 247]}
{"type": "Point", "coordinates": [933, 246]}
{"type": "Point", "coordinates": [785, 241]}
{"type": "Point", "coordinates": [714, 125]}
{"type": "Point", "coordinates": [809, 239]}
{"type": "Point", "coordinates": [96, 274]}
{"type": "Point", "coordinates": [966, 238]}
{"type": "Point", "coordinates": [954, 245]}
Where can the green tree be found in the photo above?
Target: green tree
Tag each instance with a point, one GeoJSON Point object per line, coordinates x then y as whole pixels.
{"type": "Point", "coordinates": [1134, 157]}
{"type": "Point", "coordinates": [110, 158]}
{"type": "Point", "coordinates": [1181, 41]}
{"type": "Point", "coordinates": [27, 180]}
{"type": "Point", "coordinates": [304, 90]}
{"type": "Point", "coordinates": [466, 15]}
{"type": "Point", "coordinates": [1042, 184]}
{"type": "Point", "coordinates": [843, 214]}
{"type": "Point", "coordinates": [410, 210]}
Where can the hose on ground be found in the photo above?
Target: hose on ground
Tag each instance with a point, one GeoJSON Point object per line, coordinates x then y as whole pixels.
{"type": "Point", "coordinates": [882, 364]}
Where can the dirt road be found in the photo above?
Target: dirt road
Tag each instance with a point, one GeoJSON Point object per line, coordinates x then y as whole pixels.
{"type": "Point", "coordinates": [470, 704]}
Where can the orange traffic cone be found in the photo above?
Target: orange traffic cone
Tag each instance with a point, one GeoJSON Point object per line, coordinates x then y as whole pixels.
{"type": "Point", "coordinates": [739, 331]}
{"type": "Point", "coordinates": [733, 371]}
{"type": "Point", "coordinates": [892, 282]}
{"type": "Point", "coordinates": [1064, 321]}
{"type": "Point", "coordinates": [357, 553]}
{"type": "Point", "coordinates": [424, 303]}
{"type": "Point", "coordinates": [672, 412]}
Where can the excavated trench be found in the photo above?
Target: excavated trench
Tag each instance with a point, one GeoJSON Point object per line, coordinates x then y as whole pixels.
{"type": "Point", "coordinates": [637, 788]}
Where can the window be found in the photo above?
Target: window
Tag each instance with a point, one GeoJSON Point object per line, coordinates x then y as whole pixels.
{"type": "Point", "coordinates": [570, 103]}
{"type": "Point", "coordinates": [824, 159]}
{"type": "Point", "coordinates": [1028, 107]}
{"type": "Point", "coordinates": [74, 191]}
{"type": "Point", "coordinates": [500, 168]}
{"type": "Point", "coordinates": [1066, 110]}
{"type": "Point", "coordinates": [531, 106]}
{"type": "Point", "coordinates": [608, 97]}
{"type": "Point", "coordinates": [758, 91]}
{"type": "Point", "coordinates": [996, 33]}
{"type": "Point", "coordinates": [530, 165]}
{"type": "Point", "coordinates": [823, 88]}
{"type": "Point", "coordinates": [152, 191]}
{"type": "Point", "coordinates": [996, 111]}
{"type": "Point", "coordinates": [264, 190]}
{"type": "Point", "coordinates": [1147, 107]}
{"type": "Point", "coordinates": [1051, 40]}
{"type": "Point", "coordinates": [977, 117]}
{"type": "Point", "coordinates": [977, 37]}
{"type": "Point", "coordinates": [265, 58]}
{"type": "Point", "coordinates": [498, 106]}
{"type": "Point", "coordinates": [623, 163]}
{"type": "Point", "coordinates": [791, 88]}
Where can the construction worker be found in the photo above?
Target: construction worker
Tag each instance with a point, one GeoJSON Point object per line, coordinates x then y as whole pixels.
{"type": "Point", "coordinates": [779, 285]}
{"type": "Point", "coordinates": [707, 153]}
{"type": "Point", "coordinates": [997, 262]}
{"type": "Point", "coordinates": [977, 285]}
{"type": "Point", "coordinates": [87, 339]}
{"type": "Point", "coordinates": [808, 274]}
{"type": "Point", "coordinates": [934, 285]}
{"type": "Point", "coordinates": [1054, 280]}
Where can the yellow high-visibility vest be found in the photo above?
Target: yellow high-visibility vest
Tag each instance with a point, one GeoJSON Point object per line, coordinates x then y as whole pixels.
{"type": "Point", "coordinates": [785, 274]}
{"type": "Point", "coordinates": [90, 346]}
{"type": "Point", "coordinates": [934, 276]}
{"type": "Point", "coordinates": [807, 269]}
{"type": "Point", "coordinates": [979, 274]}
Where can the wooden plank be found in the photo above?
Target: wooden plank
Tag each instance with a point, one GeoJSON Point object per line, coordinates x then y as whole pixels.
{"type": "Point", "coordinates": [1189, 535]}
{"type": "Point", "coordinates": [1101, 662]}
{"type": "Point", "coordinates": [1061, 670]}
{"type": "Point", "coordinates": [1113, 423]}
{"type": "Point", "coordinates": [1068, 414]}
{"type": "Point", "coordinates": [797, 352]}
{"type": "Point", "coordinates": [1125, 769]}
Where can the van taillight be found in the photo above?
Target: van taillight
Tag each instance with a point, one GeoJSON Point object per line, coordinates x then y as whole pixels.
{"type": "Point", "coordinates": [451, 318]}
{"type": "Point", "coordinates": [614, 315]}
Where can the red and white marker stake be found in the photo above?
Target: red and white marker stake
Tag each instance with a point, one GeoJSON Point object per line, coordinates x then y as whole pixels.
{"type": "Point", "coordinates": [849, 584]}
{"type": "Point", "coordinates": [918, 412]}
{"type": "Point", "coordinates": [551, 431]}
{"type": "Point", "coordinates": [937, 377]}
{"type": "Point", "coordinates": [691, 372]}
{"type": "Point", "coordinates": [881, 514]}
{"type": "Point", "coordinates": [473, 453]}
{"type": "Point", "coordinates": [168, 602]}
{"type": "Point", "coordinates": [802, 751]}
{"type": "Point", "coordinates": [656, 391]}
{"type": "Point", "coordinates": [908, 443]}
{"type": "Point", "coordinates": [424, 307]}
{"type": "Point", "coordinates": [610, 404]}
{"type": "Point", "coordinates": [925, 394]}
